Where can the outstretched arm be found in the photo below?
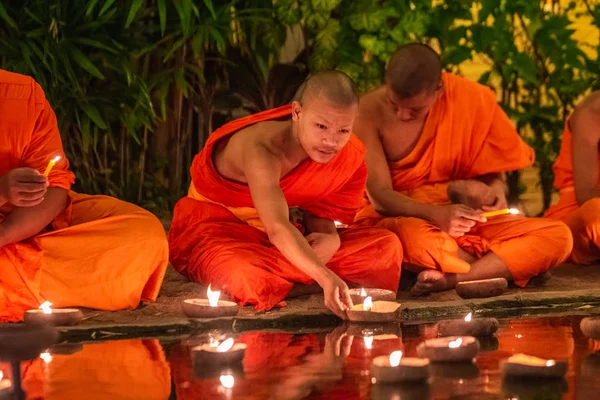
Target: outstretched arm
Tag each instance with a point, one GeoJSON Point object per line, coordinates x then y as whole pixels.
{"type": "Point", "coordinates": [585, 125]}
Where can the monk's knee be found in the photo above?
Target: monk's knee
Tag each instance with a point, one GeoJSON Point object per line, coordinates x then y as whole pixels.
{"type": "Point", "coordinates": [586, 220]}
{"type": "Point", "coordinates": [146, 227]}
{"type": "Point", "coordinates": [558, 242]}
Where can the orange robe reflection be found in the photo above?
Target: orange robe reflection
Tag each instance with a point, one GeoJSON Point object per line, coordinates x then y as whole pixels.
{"type": "Point", "coordinates": [217, 238]}
{"type": "Point", "coordinates": [467, 135]}
{"type": "Point", "coordinates": [99, 253]}
{"type": "Point", "coordinates": [125, 369]}
{"type": "Point", "coordinates": [583, 220]}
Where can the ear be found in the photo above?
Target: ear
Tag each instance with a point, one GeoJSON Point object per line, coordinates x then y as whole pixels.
{"type": "Point", "coordinates": [296, 110]}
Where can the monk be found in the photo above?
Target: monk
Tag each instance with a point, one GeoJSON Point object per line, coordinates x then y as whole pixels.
{"type": "Point", "coordinates": [437, 146]}
{"type": "Point", "coordinates": [57, 245]}
{"type": "Point", "coordinates": [233, 229]}
{"type": "Point", "coordinates": [576, 177]}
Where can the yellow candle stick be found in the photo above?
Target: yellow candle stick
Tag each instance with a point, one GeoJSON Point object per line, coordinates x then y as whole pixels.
{"type": "Point", "coordinates": [51, 165]}
{"type": "Point", "coordinates": [504, 211]}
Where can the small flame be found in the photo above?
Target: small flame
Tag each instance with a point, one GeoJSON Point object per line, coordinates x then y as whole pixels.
{"type": "Point", "coordinates": [363, 293]}
{"type": "Point", "coordinates": [550, 363]}
{"type": "Point", "coordinates": [395, 358]}
{"type": "Point", "coordinates": [213, 297]}
{"type": "Point", "coordinates": [1, 375]}
{"type": "Point", "coordinates": [56, 159]}
{"type": "Point", "coordinates": [455, 343]}
{"type": "Point", "coordinates": [227, 381]}
{"type": "Point", "coordinates": [47, 357]}
{"type": "Point", "coordinates": [368, 304]}
{"type": "Point", "coordinates": [45, 307]}
{"type": "Point", "coordinates": [225, 346]}
{"type": "Point", "coordinates": [337, 224]}
{"type": "Point", "coordinates": [469, 317]}
{"type": "Point", "coordinates": [368, 342]}
{"type": "Point", "coordinates": [514, 211]}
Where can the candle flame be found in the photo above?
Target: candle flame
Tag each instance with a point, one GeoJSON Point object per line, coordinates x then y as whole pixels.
{"type": "Point", "coordinates": [363, 293]}
{"type": "Point", "coordinates": [56, 159]}
{"type": "Point", "coordinates": [550, 363]}
{"type": "Point", "coordinates": [47, 357]}
{"type": "Point", "coordinates": [227, 381]}
{"type": "Point", "coordinates": [455, 343]}
{"type": "Point", "coordinates": [469, 317]}
{"type": "Point", "coordinates": [368, 342]}
{"type": "Point", "coordinates": [225, 346]}
{"type": "Point", "coordinates": [368, 304]}
{"type": "Point", "coordinates": [395, 358]}
{"type": "Point", "coordinates": [1, 375]}
{"type": "Point", "coordinates": [45, 307]}
{"type": "Point", "coordinates": [513, 211]}
{"type": "Point", "coordinates": [213, 297]}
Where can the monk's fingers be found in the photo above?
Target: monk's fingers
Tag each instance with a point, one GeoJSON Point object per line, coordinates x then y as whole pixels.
{"type": "Point", "coordinates": [347, 345]}
{"type": "Point", "coordinates": [346, 298]}
{"type": "Point", "coordinates": [22, 187]}
{"type": "Point", "coordinates": [29, 196]}
{"type": "Point", "coordinates": [29, 175]}
{"type": "Point", "coordinates": [470, 214]}
{"type": "Point", "coordinates": [27, 203]}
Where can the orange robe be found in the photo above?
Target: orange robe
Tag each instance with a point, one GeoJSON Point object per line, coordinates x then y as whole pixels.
{"type": "Point", "coordinates": [216, 236]}
{"type": "Point", "coordinates": [584, 221]}
{"type": "Point", "coordinates": [466, 135]}
{"type": "Point", "coordinates": [99, 253]}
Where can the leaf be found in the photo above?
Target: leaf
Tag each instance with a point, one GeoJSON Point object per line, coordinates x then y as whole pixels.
{"type": "Point", "coordinates": [105, 7]}
{"type": "Point", "coordinates": [457, 55]}
{"type": "Point", "coordinates": [133, 10]}
{"type": "Point", "coordinates": [4, 15]}
{"type": "Point", "coordinates": [90, 8]}
{"type": "Point", "coordinates": [162, 16]}
{"type": "Point", "coordinates": [84, 62]}
{"type": "Point", "coordinates": [92, 112]}
{"type": "Point", "coordinates": [211, 8]}
{"type": "Point", "coordinates": [95, 43]}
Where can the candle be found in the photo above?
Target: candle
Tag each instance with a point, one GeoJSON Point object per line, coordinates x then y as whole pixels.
{"type": "Point", "coordinates": [25, 342]}
{"type": "Point", "coordinates": [468, 326]}
{"type": "Point", "coordinates": [211, 307]}
{"type": "Point", "coordinates": [590, 327]}
{"type": "Point", "coordinates": [359, 295]}
{"type": "Point", "coordinates": [5, 385]}
{"type": "Point", "coordinates": [449, 349]}
{"type": "Point", "coordinates": [482, 288]}
{"type": "Point", "coordinates": [374, 311]}
{"type": "Point", "coordinates": [226, 353]}
{"type": "Point", "coordinates": [45, 315]}
{"type": "Point", "coordinates": [396, 368]}
{"type": "Point", "coordinates": [522, 365]}
{"type": "Point", "coordinates": [51, 165]}
{"type": "Point", "coordinates": [503, 211]}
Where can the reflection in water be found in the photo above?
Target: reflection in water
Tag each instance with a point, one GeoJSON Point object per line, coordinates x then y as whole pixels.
{"type": "Point", "coordinates": [334, 365]}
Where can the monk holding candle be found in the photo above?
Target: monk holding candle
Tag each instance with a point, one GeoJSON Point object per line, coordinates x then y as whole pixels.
{"type": "Point", "coordinates": [437, 146]}
{"type": "Point", "coordinates": [57, 245]}
{"type": "Point", "coordinates": [576, 176]}
{"type": "Point", "coordinates": [233, 230]}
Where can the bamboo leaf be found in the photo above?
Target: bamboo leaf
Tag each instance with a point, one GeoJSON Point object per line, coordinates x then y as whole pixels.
{"type": "Point", "coordinates": [162, 16]}
{"type": "Point", "coordinates": [90, 8]}
{"type": "Point", "coordinates": [4, 15]}
{"type": "Point", "coordinates": [92, 112]}
{"type": "Point", "coordinates": [211, 8]}
{"type": "Point", "coordinates": [95, 43]}
{"type": "Point", "coordinates": [84, 62]}
{"type": "Point", "coordinates": [105, 7]}
{"type": "Point", "coordinates": [133, 10]}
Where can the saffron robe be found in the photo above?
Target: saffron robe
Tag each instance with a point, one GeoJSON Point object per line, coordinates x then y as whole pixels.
{"type": "Point", "coordinates": [98, 253]}
{"type": "Point", "coordinates": [216, 236]}
{"type": "Point", "coordinates": [583, 220]}
{"type": "Point", "coordinates": [466, 135]}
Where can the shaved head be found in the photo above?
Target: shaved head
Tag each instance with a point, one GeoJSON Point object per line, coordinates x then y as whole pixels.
{"type": "Point", "coordinates": [414, 68]}
{"type": "Point", "coordinates": [335, 86]}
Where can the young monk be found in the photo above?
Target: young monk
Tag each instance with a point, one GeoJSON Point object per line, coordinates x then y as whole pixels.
{"type": "Point", "coordinates": [57, 245]}
{"type": "Point", "coordinates": [433, 138]}
{"type": "Point", "coordinates": [233, 230]}
{"type": "Point", "coordinates": [576, 176]}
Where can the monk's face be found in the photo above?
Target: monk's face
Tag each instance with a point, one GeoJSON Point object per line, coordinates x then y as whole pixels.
{"type": "Point", "coordinates": [414, 108]}
{"type": "Point", "coordinates": [323, 128]}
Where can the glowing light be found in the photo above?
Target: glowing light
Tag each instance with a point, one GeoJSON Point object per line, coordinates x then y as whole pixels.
{"type": "Point", "coordinates": [51, 165]}
{"type": "Point", "coordinates": [47, 357]}
{"type": "Point", "coordinates": [225, 346]}
{"type": "Point", "coordinates": [45, 307]}
{"type": "Point", "coordinates": [227, 381]}
{"type": "Point", "coordinates": [363, 293]}
{"type": "Point", "coordinates": [550, 363]}
{"type": "Point", "coordinates": [1, 375]}
{"type": "Point", "coordinates": [368, 304]}
{"type": "Point", "coordinates": [513, 211]}
{"type": "Point", "coordinates": [213, 297]}
{"type": "Point", "coordinates": [368, 342]}
{"type": "Point", "coordinates": [395, 358]}
{"type": "Point", "coordinates": [519, 336]}
{"type": "Point", "coordinates": [469, 317]}
{"type": "Point", "coordinates": [455, 343]}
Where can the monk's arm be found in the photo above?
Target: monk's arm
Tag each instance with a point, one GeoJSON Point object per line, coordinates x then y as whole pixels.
{"type": "Point", "coordinates": [25, 222]}
{"type": "Point", "coordinates": [585, 126]}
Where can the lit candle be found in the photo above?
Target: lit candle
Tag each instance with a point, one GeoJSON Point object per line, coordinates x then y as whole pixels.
{"type": "Point", "coordinates": [397, 368]}
{"type": "Point", "coordinates": [5, 384]}
{"type": "Point", "coordinates": [226, 353]}
{"type": "Point", "coordinates": [368, 342]}
{"type": "Point", "coordinates": [47, 357]}
{"type": "Point", "coordinates": [45, 315]}
{"type": "Point", "coordinates": [482, 288]}
{"type": "Point", "coordinates": [358, 295]}
{"type": "Point", "coordinates": [227, 381]}
{"type": "Point", "coordinates": [590, 327]}
{"type": "Point", "coordinates": [468, 326]}
{"type": "Point", "coordinates": [449, 349]}
{"type": "Point", "coordinates": [527, 366]}
{"type": "Point", "coordinates": [374, 311]}
{"type": "Point", "coordinates": [503, 211]}
{"type": "Point", "coordinates": [211, 307]}
{"type": "Point", "coordinates": [51, 165]}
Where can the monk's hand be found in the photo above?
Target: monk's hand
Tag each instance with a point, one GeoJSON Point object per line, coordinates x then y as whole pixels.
{"type": "Point", "coordinates": [23, 187]}
{"type": "Point", "coordinates": [472, 193]}
{"type": "Point", "coordinates": [337, 295]}
{"type": "Point", "coordinates": [325, 245]}
{"type": "Point", "coordinates": [456, 219]}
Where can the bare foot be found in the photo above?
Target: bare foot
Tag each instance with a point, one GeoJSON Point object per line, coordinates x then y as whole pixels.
{"type": "Point", "coordinates": [541, 279]}
{"type": "Point", "coordinates": [429, 281]}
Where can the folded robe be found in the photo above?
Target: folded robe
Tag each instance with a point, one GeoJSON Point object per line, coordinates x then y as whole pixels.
{"type": "Point", "coordinates": [467, 135]}
{"type": "Point", "coordinates": [99, 253]}
{"type": "Point", "coordinates": [216, 236]}
{"type": "Point", "coordinates": [584, 221]}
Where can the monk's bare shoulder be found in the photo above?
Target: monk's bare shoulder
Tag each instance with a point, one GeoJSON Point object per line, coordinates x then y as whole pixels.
{"type": "Point", "coordinates": [586, 117]}
{"type": "Point", "coordinates": [370, 114]}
